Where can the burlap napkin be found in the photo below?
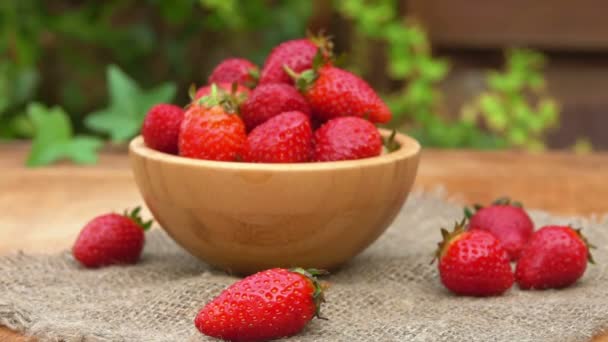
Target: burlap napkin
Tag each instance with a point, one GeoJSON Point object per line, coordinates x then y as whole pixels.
{"type": "Point", "coordinates": [389, 293]}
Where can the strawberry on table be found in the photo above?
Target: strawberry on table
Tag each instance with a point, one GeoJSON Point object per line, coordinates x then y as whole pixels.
{"type": "Point", "coordinates": [473, 263]}
{"type": "Point", "coordinates": [333, 92]}
{"type": "Point", "coordinates": [212, 130]}
{"type": "Point", "coordinates": [239, 70]}
{"type": "Point", "coordinates": [507, 221]}
{"type": "Point", "coordinates": [297, 54]}
{"type": "Point", "coordinates": [268, 100]}
{"type": "Point", "coordinates": [111, 239]}
{"type": "Point", "coordinates": [346, 138]}
{"type": "Point", "coordinates": [555, 257]}
{"type": "Point", "coordinates": [161, 127]}
{"type": "Point", "coordinates": [285, 138]}
{"type": "Point", "coordinates": [267, 305]}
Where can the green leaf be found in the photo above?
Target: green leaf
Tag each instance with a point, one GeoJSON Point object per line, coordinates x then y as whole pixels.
{"type": "Point", "coordinates": [433, 69]}
{"type": "Point", "coordinates": [22, 126]}
{"type": "Point", "coordinates": [53, 138]}
{"type": "Point", "coordinates": [129, 104]}
{"type": "Point", "coordinates": [517, 136]}
{"type": "Point", "coordinates": [549, 112]}
{"type": "Point", "coordinates": [399, 67]}
{"type": "Point", "coordinates": [493, 111]}
{"type": "Point", "coordinates": [120, 126]}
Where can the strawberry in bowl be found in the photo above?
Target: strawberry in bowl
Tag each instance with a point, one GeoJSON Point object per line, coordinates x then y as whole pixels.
{"type": "Point", "coordinates": [289, 172]}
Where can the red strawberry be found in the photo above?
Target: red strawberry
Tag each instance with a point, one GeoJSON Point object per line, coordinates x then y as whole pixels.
{"type": "Point", "coordinates": [224, 88]}
{"type": "Point", "coordinates": [267, 305]}
{"type": "Point", "coordinates": [285, 138]}
{"type": "Point", "coordinates": [268, 100]}
{"type": "Point", "coordinates": [507, 221]}
{"type": "Point", "coordinates": [211, 130]}
{"type": "Point", "coordinates": [161, 127]}
{"type": "Point", "coordinates": [555, 257]}
{"type": "Point", "coordinates": [473, 263]}
{"type": "Point", "coordinates": [237, 70]}
{"type": "Point", "coordinates": [333, 92]}
{"type": "Point", "coordinates": [297, 54]}
{"type": "Point", "coordinates": [346, 138]}
{"type": "Point", "coordinates": [111, 239]}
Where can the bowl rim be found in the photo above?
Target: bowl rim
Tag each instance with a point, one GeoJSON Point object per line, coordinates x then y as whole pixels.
{"type": "Point", "coordinates": [408, 147]}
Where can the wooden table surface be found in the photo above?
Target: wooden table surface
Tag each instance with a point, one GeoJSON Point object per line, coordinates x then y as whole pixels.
{"type": "Point", "coordinates": [46, 207]}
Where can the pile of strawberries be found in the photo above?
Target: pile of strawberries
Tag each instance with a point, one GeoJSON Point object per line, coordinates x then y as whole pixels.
{"type": "Point", "coordinates": [299, 108]}
{"type": "Point", "coordinates": [474, 259]}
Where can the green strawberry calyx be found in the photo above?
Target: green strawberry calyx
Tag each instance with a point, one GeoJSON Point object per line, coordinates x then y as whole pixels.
{"type": "Point", "coordinates": [229, 101]}
{"type": "Point", "coordinates": [254, 73]}
{"type": "Point", "coordinates": [447, 238]}
{"type": "Point", "coordinates": [304, 80]}
{"type": "Point", "coordinates": [319, 287]}
{"type": "Point", "coordinates": [324, 43]}
{"type": "Point", "coordinates": [469, 212]}
{"type": "Point", "coordinates": [579, 233]}
{"type": "Point", "coordinates": [135, 216]}
{"type": "Point", "coordinates": [507, 201]}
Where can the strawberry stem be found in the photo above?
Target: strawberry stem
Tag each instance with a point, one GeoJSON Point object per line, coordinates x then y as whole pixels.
{"type": "Point", "coordinates": [318, 295]}
{"type": "Point", "coordinates": [468, 213]}
{"type": "Point", "coordinates": [390, 143]}
{"type": "Point", "coordinates": [219, 97]}
{"type": "Point", "coordinates": [579, 232]}
{"type": "Point", "coordinates": [134, 215]}
{"type": "Point", "coordinates": [324, 44]}
{"type": "Point", "coordinates": [192, 92]}
{"type": "Point", "coordinates": [447, 237]}
{"type": "Point", "coordinates": [507, 201]}
{"type": "Point", "coordinates": [255, 78]}
{"type": "Point", "coordinates": [289, 71]}
{"type": "Point", "coordinates": [303, 80]}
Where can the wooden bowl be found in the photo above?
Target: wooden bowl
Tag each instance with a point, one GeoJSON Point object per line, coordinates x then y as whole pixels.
{"type": "Point", "coordinates": [246, 217]}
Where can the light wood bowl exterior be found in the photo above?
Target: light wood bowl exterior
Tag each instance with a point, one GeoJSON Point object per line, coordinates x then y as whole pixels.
{"type": "Point", "coordinates": [244, 217]}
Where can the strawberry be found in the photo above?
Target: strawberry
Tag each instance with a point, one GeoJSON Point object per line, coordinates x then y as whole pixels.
{"type": "Point", "coordinates": [161, 127]}
{"type": "Point", "coordinates": [267, 305]}
{"type": "Point", "coordinates": [285, 138]}
{"type": "Point", "coordinates": [238, 70]}
{"type": "Point", "coordinates": [240, 91]}
{"type": "Point", "coordinates": [296, 54]}
{"type": "Point", "coordinates": [268, 100]}
{"type": "Point", "coordinates": [211, 129]}
{"type": "Point", "coordinates": [333, 92]}
{"type": "Point", "coordinates": [555, 257]}
{"type": "Point", "coordinates": [507, 221]}
{"type": "Point", "coordinates": [473, 263]}
{"type": "Point", "coordinates": [111, 239]}
{"type": "Point", "coordinates": [346, 138]}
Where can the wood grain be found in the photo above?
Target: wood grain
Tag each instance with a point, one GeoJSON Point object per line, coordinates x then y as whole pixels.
{"type": "Point", "coordinates": [46, 207]}
{"type": "Point", "coordinates": [555, 24]}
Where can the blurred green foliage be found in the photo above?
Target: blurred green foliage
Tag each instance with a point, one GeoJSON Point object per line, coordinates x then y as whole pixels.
{"type": "Point", "coordinates": [123, 118]}
{"type": "Point", "coordinates": [418, 102]}
{"type": "Point", "coordinates": [515, 106]}
{"type": "Point", "coordinates": [55, 140]}
{"type": "Point", "coordinates": [106, 62]}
